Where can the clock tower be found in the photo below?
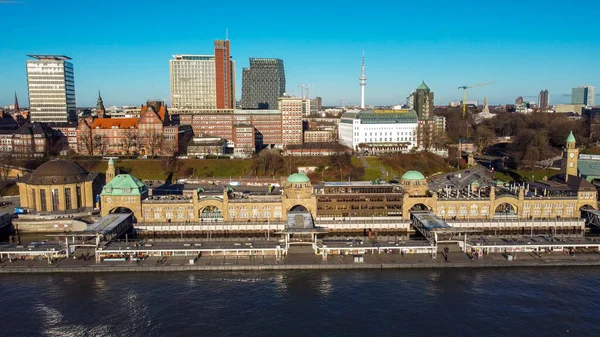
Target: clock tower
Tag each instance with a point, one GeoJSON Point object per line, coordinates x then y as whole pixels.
{"type": "Point", "coordinates": [570, 157]}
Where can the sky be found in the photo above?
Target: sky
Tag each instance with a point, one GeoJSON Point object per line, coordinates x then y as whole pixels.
{"type": "Point", "coordinates": [123, 47]}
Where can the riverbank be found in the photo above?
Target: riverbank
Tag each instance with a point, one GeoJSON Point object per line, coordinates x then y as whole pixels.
{"type": "Point", "coordinates": [269, 264]}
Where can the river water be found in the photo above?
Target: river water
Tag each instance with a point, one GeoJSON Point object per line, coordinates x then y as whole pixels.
{"type": "Point", "coordinates": [483, 302]}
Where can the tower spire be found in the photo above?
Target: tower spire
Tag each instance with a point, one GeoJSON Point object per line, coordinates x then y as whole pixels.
{"type": "Point", "coordinates": [100, 110]}
{"type": "Point", "coordinates": [16, 107]}
{"type": "Point", "coordinates": [363, 82]}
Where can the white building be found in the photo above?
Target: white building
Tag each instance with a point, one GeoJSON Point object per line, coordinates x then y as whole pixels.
{"type": "Point", "coordinates": [379, 131]}
{"type": "Point", "coordinates": [51, 87]}
{"type": "Point", "coordinates": [193, 82]}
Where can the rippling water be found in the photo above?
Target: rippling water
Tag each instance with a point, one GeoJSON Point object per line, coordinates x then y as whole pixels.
{"type": "Point", "coordinates": [491, 302]}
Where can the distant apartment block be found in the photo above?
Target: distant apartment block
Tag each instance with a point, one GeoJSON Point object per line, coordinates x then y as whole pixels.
{"type": "Point", "coordinates": [292, 109]}
{"type": "Point", "coordinates": [318, 136]}
{"type": "Point", "coordinates": [51, 87]}
{"type": "Point", "coordinates": [263, 83]}
{"type": "Point", "coordinates": [316, 104]}
{"type": "Point", "coordinates": [585, 95]}
{"type": "Point", "coordinates": [566, 108]}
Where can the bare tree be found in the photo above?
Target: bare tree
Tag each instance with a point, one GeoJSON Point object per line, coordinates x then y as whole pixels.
{"type": "Point", "coordinates": [101, 144]}
{"type": "Point", "coordinates": [7, 162]}
{"type": "Point", "coordinates": [86, 141]}
{"type": "Point", "coordinates": [131, 141]}
{"type": "Point", "coordinates": [154, 141]}
{"type": "Point", "coordinates": [482, 137]}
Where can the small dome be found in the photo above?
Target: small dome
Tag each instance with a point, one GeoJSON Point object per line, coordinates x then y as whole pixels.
{"type": "Point", "coordinates": [571, 138]}
{"type": "Point", "coordinates": [57, 171]}
{"type": "Point", "coordinates": [298, 178]}
{"type": "Point", "coordinates": [413, 175]}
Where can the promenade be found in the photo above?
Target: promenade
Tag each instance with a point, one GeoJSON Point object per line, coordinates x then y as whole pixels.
{"type": "Point", "coordinates": [300, 262]}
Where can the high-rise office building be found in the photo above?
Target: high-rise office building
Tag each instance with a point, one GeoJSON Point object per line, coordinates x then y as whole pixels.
{"type": "Point", "coordinates": [203, 81]}
{"type": "Point", "coordinates": [544, 99]}
{"type": "Point", "coordinates": [224, 75]}
{"type": "Point", "coordinates": [263, 83]}
{"type": "Point", "coordinates": [584, 94]}
{"type": "Point", "coordinates": [51, 86]}
{"type": "Point", "coordinates": [193, 83]}
{"type": "Point", "coordinates": [423, 102]}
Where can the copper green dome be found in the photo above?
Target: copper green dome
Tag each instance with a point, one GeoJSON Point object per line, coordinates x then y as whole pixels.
{"type": "Point", "coordinates": [413, 175]}
{"type": "Point", "coordinates": [298, 178]}
{"type": "Point", "coordinates": [571, 138]}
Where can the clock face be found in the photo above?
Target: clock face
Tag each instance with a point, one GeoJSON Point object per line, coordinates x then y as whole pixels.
{"type": "Point", "coordinates": [108, 199]}
{"type": "Point", "coordinates": [572, 155]}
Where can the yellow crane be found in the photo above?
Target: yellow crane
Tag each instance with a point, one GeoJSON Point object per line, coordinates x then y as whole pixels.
{"type": "Point", "coordinates": [464, 102]}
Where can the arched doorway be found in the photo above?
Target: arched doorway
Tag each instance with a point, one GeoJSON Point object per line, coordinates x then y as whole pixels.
{"type": "Point", "coordinates": [505, 209]}
{"type": "Point", "coordinates": [582, 210]}
{"type": "Point", "coordinates": [298, 208]}
{"type": "Point", "coordinates": [210, 213]}
{"type": "Point", "coordinates": [420, 208]}
{"type": "Point", "coordinates": [123, 210]}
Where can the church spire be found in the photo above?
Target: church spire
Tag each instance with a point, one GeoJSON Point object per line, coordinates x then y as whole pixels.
{"type": "Point", "coordinates": [16, 107]}
{"type": "Point", "coordinates": [100, 111]}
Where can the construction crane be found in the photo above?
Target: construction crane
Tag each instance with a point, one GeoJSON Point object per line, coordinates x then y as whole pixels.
{"type": "Point", "coordinates": [464, 102]}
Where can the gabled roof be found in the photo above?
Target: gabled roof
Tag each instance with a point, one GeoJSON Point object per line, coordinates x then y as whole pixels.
{"type": "Point", "coordinates": [579, 184]}
{"type": "Point", "coordinates": [32, 128]}
{"type": "Point", "coordinates": [160, 113]}
{"type": "Point", "coordinates": [110, 123]}
{"type": "Point", "coordinates": [124, 184]}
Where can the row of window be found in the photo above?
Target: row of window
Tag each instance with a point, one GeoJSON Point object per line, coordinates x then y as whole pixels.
{"type": "Point", "coordinates": [55, 199]}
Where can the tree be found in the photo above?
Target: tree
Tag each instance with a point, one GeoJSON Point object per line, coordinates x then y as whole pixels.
{"type": "Point", "coordinates": [7, 164]}
{"type": "Point", "coordinates": [268, 160]}
{"type": "Point", "coordinates": [153, 139]}
{"type": "Point", "coordinates": [86, 141]}
{"type": "Point", "coordinates": [482, 137]}
{"type": "Point", "coordinates": [100, 144]}
{"type": "Point", "coordinates": [130, 142]}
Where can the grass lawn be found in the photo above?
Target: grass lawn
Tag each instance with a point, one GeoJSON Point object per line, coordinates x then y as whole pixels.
{"type": "Point", "coordinates": [372, 173]}
{"type": "Point", "coordinates": [525, 175]}
{"type": "Point", "coordinates": [154, 168]}
{"type": "Point", "coordinates": [356, 161]}
{"type": "Point", "coordinates": [374, 161]}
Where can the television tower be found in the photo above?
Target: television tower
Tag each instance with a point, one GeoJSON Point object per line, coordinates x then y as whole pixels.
{"type": "Point", "coordinates": [363, 82]}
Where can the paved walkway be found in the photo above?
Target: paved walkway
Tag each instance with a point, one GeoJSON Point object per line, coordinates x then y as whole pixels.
{"type": "Point", "coordinates": [303, 262]}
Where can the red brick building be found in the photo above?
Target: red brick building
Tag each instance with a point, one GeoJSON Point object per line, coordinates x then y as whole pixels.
{"type": "Point", "coordinates": [151, 134]}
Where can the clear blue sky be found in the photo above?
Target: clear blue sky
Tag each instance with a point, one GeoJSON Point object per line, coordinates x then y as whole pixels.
{"type": "Point", "coordinates": [123, 47]}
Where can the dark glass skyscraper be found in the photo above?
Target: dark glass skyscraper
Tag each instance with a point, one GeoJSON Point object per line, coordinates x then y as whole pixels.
{"type": "Point", "coordinates": [544, 99]}
{"type": "Point", "coordinates": [262, 83]}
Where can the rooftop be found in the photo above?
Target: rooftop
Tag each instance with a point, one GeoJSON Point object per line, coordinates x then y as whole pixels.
{"type": "Point", "coordinates": [372, 117]}
{"type": "Point", "coordinates": [50, 57]}
{"type": "Point", "coordinates": [124, 184]}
